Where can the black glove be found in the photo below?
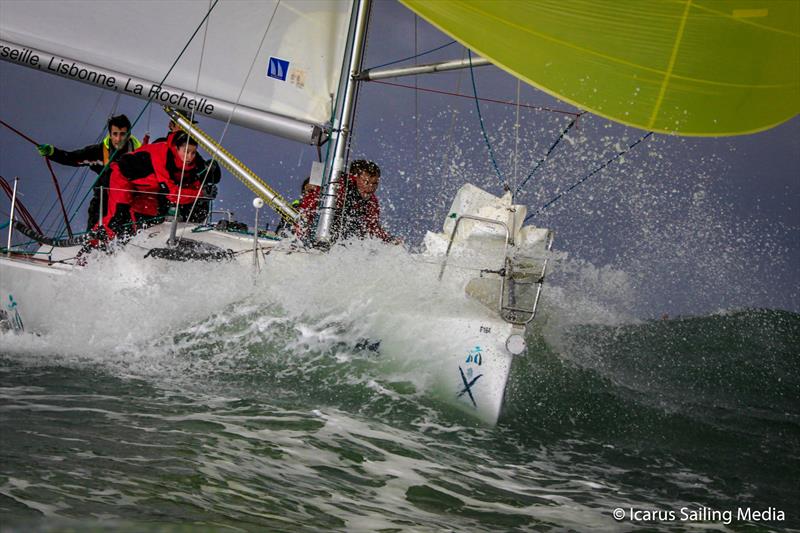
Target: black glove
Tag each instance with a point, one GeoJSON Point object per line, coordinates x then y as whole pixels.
{"type": "Point", "coordinates": [212, 173]}
{"type": "Point", "coordinates": [210, 191]}
{"type": "Point", "coordinates": [163, 203]}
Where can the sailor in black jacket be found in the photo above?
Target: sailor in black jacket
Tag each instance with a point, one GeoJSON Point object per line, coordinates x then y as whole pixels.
{"type": "Point", "coordinates": [98, 157]}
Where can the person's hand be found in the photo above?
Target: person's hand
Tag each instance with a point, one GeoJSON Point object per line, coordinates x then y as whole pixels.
{"type": "Point", "coordinates": [45, 150]}
{"type": "Point", "coordinates": [210, 191]}
{"type": "Point", "coordinates": [161, 198]}
{"type": "Point", "coordinates": [212, 172]}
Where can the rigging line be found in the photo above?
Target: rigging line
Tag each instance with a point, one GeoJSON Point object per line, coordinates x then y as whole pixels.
{"type": "Point", "coordinates": [516, 137]}
{"type": "Point", "coordinates": [115, 105]}
{"type": "Point", "coordinates": [238, 97]}
{"type": "Point", "coordinates": [416, 106]}
{"type": "Point", "coordinates": [414, 56]}
{"type": "Point", "coordinates": [482, 99]}
{"type": "Point", "coordinates": [61, 227]}
{"type": "Point", "coordinates": [480, 118]}
{"type": "Point", "coordinates": [191, 120]}
{"type": "Point", "coordinates": [23, 211]}
{"type": "Point", "coordinates": [550, 151]}
{"type": "Point", "coordinates": [77, 189]}
{"type": "Point", "coordinates": [449, 148]}
{"type": "Point", "coordinates": [249, 71]}
{"type": "Point", "coordinates": [91, 114]}
{"type": "Point", "coordinates": [589, 175]}
{"type": "Point", "coordinates": [50, 168]}
{"type": "Point", "coordinates": [84, 174]}
{"type": "Point", "coordinates": [150, 100]}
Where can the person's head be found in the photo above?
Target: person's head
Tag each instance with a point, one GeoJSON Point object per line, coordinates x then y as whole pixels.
{"type": "Point", "coordinates": [184, 148]}
{"type": "Point", "coordinates": [307, 186]}
{"type": "Point", "coordinates": [119, 128]}
{"type": "Point", "coordinates": [367, 176]}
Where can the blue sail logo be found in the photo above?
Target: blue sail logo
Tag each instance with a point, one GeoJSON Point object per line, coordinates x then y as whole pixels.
{"type": "Point", "coordinates": [278, 68]}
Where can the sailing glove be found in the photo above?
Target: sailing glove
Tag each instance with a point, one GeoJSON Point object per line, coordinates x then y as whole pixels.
{"type": "Point", "coordinates": [212, 172]}
{"type": "Point", "coordinates": [45, 150]}
{"type": "Point", "coordinates": [210, 191]}
{"type": "Point", "coordinates": [163, 202]}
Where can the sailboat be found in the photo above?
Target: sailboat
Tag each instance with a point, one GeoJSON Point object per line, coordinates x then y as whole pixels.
{"type": "Point", "coordinates": [291, 68]}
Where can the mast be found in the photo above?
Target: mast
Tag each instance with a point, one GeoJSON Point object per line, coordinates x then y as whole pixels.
{"type": "Point", "coordinates": [341, 128]}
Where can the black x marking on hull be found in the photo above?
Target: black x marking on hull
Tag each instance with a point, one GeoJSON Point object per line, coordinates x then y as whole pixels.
{"type": "Point", "coordinates": [468, 386]}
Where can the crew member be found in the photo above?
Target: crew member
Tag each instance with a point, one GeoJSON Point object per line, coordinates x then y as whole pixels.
{"type": "Point", "coordinates": [305, 188]}
{"type": "Point", "coordinates": [97, 157]}
{"type": "Point", "coordinates": [146, 182]}
{"type": "Point", "coordinates": [212, 177]}
{"type": "Point", "coordinates": [357, 209]}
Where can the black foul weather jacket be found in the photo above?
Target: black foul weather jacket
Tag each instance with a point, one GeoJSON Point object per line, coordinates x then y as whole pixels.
{"type": "Point", "coordinates": [96, 157]}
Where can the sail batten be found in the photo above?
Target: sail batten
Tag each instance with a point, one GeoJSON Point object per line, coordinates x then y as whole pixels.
{"type": "Point", "coordinates": [691, 68]}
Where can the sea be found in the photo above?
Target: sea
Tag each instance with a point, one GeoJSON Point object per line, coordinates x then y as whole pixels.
{"type": "Point", "coordinates": [211, 398]}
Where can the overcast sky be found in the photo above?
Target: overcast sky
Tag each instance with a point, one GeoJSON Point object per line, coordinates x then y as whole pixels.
{"type": "Point", "coordinates": [693, 225]}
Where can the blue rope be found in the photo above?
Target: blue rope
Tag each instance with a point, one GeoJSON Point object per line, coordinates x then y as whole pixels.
{"type": "Point", "coordinates": [589, 175]}
{"type": "Point", "coordinates": [550, 151]}
{"type": "Point", "coordinates": [412, 57]}
{"type": "Point", "coordinates": [480, 117]}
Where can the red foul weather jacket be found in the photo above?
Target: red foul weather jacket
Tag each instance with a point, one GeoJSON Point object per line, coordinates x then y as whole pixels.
{"type": "Point", "coordinates": [153, 168]}
{"type": "Point", "coordinates": [355, 216]}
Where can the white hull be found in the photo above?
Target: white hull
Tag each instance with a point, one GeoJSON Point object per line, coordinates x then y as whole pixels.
{"type": "Point", "coordinates": [465, 345]}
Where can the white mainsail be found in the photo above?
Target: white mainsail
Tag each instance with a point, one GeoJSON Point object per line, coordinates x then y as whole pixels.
{"type": "Point", "coordinates": [273, 65]}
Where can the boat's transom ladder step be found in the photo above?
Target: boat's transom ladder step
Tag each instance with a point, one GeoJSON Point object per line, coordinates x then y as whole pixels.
{"type": "Point", "coordinates": [520, 278]}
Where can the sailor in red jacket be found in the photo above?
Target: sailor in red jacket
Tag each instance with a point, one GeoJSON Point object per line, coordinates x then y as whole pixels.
{"type": "Point", "coordinates": [144, 182]}
{"type": "Point", "coordinates": [358, 211]}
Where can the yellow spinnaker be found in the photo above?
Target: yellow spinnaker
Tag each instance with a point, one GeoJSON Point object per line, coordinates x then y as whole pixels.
{"type": "Point", "coordinates": [686, 67]}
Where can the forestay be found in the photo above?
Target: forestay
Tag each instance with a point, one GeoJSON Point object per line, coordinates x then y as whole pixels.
{"type": "Point", "coordinates": [129, 46]}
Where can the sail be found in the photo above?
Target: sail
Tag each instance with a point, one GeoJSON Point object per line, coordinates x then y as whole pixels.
{"type": "Point", "coordinates": [268, 59]}
{"type": "Point", "coordinates": [688, 67]}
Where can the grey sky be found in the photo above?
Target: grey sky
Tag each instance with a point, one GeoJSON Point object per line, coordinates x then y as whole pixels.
{"type": "Point", "coordinates": [695, 225]}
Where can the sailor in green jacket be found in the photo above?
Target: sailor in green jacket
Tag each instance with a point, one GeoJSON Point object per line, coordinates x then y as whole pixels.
{"type": "Point", "coordinates": [97, 157]}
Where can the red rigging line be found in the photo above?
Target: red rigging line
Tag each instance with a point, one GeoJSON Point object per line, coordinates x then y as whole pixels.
{"type": "Point", "coordinates": [24, 214]}
{"type": "Point", "coordinates": [575, 114]}
{"type": "Point", "coordinates": [52, 175]}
